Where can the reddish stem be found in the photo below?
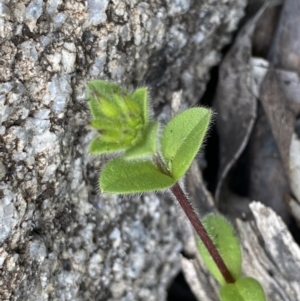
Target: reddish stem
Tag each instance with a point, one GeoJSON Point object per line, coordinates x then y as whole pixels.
{"type": "Point", "coordinates": [198, 226]}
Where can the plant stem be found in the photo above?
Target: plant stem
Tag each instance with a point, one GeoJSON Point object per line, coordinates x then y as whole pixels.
{"type": "Point", "coordinates": [198, 226]}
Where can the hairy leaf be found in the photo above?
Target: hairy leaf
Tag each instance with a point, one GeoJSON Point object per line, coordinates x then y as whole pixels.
{"type": "Point", "coordinates": [244, 289]}
{"type": "Point", "coordinates": [224, 238]}
{"type": "Point", "coordinates": [100, 88]}
{"type": "Point", "coordinates": [120, 118]}
{"type": "Point", "coordinates": [140, 95]}
{"type": "Point", "coordinates": [182, 138]}
{"type": "Point", "coordinates": [105, 123]}
{"type": "Point", "coordinates": [146, 145]}
{"type": "Point", "coordinates": [98, 147]}
{"type": "Point", "coordinates": [132, 176]}
{"type": "Point", "coordinates": [94, 107]}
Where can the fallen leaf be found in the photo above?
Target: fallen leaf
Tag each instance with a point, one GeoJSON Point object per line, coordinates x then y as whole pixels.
{"type": "Point", "coordinates": [285, 50]}
{"type": "Point", "coordinates": [234, 102]}
{"type": "Point", "coordinates": [280, 117]}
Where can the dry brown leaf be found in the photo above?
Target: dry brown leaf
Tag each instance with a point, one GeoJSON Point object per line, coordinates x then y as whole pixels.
{"type": "Point", "coordinates": [234, 102]}
{"type": "Point", "coordinates": [285, 50]}
{"type": "Point", "coordinates": [280, 117]}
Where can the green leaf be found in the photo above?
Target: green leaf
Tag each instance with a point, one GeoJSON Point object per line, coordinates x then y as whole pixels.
{"type": "Point", "coordinates": [133, 106]}
{"type": "Point", "coordinates": [140, 95]}
{"type": "Point", "coordinates": [244, 289]}
{"type": "Point", "coordinates": [95, 109]}
{"type": "Point", "coordinates": [108, 108]}
{"type": "Point", "coordinates": [100, 96]}
{"type": "Point", "coordinates": [224, 238]}
{"type": "Point", "coordinates": [146, 145]}
{"type": "Point", "coordinates": [130, 176]}
{"type": "Point", "coordinates": [105, 123]}
{"type": "Point", "coordinates": [100, 88]}
{"type": "Point", "coordinates": [98, 147]}
{"type": "Point", "coordinates": [123, 106]}
{"type": "Point", "coordinates": [182, 138]}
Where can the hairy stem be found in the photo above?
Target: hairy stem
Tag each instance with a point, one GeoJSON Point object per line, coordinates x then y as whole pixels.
{"type": "Point", "coordinates": [198, 226]}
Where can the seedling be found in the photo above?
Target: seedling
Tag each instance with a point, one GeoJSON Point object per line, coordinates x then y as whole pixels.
{"type": "Point", "coordinates": [148, 159]}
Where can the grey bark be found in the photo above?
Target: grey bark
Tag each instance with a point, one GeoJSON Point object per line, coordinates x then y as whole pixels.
{"type": "Point", "coordinates": [59, 238]}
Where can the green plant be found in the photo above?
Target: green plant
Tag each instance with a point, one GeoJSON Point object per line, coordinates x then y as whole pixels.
{"type": "Point", "coordinates": [147, 159]}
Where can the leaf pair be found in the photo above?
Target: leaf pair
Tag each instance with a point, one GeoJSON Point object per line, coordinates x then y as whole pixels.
{"type": "Point", "coordinates": [224, 238]}
{"type": "Point", "coordinates": [180, 141]}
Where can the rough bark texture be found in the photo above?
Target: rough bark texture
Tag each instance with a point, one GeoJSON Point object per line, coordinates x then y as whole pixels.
{"type": "Point", "coordinates": [60, 239]}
